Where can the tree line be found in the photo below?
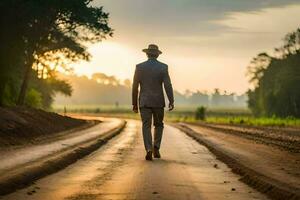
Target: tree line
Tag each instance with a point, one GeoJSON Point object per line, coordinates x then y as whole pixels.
{"type": "Point", "coordinates": [216, 99]}
{"type": "Point", "coordinates": [276, 80]}
{"type": "Point", "coordinates": [39, 37]}
{"type": "Point", "coordinates": [104, 89]}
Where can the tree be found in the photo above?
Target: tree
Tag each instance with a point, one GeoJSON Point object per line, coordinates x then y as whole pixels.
{"type": "Point", "coordinates": [200, 113]}
{"type": "Point", "coordinates": [197, 98]}
{"type": "Point", "coordinates": [45, 35]}
{"type": "Point", "coordinates": [257, 67]}
{"type": "Point", "coordinates": [104, 79]}
{"type": "Point", "coordinates": [277, 89]}
{"type": "Point", "coordinates": [216, 98]}
{"type": "Point", "coordinates": [127, 83]}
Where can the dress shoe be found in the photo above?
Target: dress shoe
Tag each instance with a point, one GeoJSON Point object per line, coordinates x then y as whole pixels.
{"type": "Point", "coordinates": [156, 153]}
{"type": "Point", "coordinates": [149, 155]}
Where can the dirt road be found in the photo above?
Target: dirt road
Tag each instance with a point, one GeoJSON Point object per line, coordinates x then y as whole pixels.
{"type": "Point", "coordinates": [118, 170]}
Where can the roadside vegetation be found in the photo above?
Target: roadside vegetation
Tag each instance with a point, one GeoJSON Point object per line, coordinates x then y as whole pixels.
{"type": "Point", "coordinates": [255, 121]}
{"type": "Point", "coordinates": [242, 116]}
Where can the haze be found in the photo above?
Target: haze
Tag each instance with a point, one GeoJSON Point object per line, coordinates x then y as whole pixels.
{"type": "Point", "coordinates": [207, 44]}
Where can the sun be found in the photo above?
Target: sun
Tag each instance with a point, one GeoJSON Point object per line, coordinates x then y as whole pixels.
{"type": "Point", "coordinates": [110, 58]}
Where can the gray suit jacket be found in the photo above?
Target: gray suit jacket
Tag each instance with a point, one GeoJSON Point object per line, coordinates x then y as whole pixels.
{"type": "Point", "coordinates": [150, 76]}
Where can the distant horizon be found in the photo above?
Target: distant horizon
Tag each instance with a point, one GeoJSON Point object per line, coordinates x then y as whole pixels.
{"type": "Point", "coordinates": [107, 90]}
{"type": "Point", "coordinates": [209, 92]}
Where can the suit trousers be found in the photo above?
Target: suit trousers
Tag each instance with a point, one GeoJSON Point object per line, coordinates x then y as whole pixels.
{"type": "Point", "coordinates": [147, 113]}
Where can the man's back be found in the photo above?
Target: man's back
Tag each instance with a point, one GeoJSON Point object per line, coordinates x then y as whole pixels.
{"type": "Point", "coordinates": [150, 75]}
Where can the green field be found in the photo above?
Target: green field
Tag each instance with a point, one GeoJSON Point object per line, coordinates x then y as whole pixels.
{"type": "Point", "coordinates": [241, 116]}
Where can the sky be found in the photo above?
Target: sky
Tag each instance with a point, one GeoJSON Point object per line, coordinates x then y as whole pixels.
{"type": "Point", "coordinates": [207, 44]}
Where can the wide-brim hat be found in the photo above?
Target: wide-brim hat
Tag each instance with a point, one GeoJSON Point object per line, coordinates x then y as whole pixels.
{"type": "Point", "coordinates": [152, 49]}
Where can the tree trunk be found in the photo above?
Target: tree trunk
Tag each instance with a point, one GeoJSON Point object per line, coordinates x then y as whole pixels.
{"type": "Point", "coordinates": [2, 88]}
{"type": "Point", "coordinates": [24, 86]}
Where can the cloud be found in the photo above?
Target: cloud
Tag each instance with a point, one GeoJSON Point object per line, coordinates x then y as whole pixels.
{"type": "Point", "coordinates": [180, 17]}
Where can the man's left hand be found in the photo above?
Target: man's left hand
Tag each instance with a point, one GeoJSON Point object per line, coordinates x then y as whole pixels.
{"type": "Point", "coordinates": [171, 107]}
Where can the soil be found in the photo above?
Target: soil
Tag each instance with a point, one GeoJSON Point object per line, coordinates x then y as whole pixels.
{"type": "Point", "coordinates": [22, 167]}
{"type": "Point", "coordinates": [285, 138]}
{"type": "Point", "coordinates": [23, 125]}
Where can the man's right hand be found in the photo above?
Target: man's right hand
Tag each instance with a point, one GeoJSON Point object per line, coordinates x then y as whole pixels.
{"type": "Point", "coordinates": [171, 107]}
{"type": "Point", "coordinates": [135, 108]}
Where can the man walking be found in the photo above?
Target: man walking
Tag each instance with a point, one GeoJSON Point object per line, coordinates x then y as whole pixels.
{"type": "Point", "coordinates": [151, 75]}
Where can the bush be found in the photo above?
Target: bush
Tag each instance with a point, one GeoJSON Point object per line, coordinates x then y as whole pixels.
{"type": "Point", "coordinates": [200, 113]}
{"type": "Point", "coordinates": [33, 98]}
